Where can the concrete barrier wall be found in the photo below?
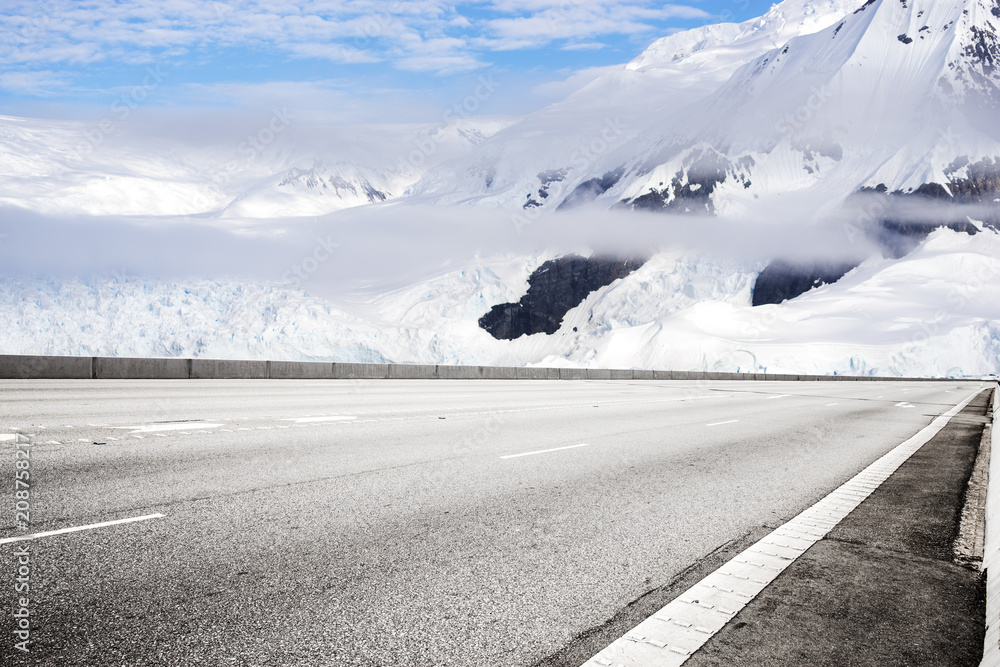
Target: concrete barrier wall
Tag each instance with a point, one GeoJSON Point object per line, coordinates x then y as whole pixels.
{"type": "Point", "coordinates": [412, 372]}
{"type": "Point", "coordinates": [499, 373]}
{"type": "Point", "coordinates": [344, 371]}
{"type": "Point", "coordinates": [131, 368]}
{"type": "Point", "coordinates": [18, 367]}
{"type": "Point", "coordinates": [25, 367]}
{"type": "Point", "coordinates": [532, 373]}
{"type": "Point", "coordinates": [459, 372]}
{"type": "Point", "coordinates": [301, 370]}
{"type": "Point", "coordinates": [228, 369]}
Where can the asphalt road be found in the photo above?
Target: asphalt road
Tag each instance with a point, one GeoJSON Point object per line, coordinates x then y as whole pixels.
{"type": "Point", "coordinates": [402, 523]}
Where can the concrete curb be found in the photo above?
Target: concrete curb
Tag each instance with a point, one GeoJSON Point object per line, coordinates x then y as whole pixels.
{"type": "Point", "coordinates": [29, 367]}
{"type": "Point", "coordinates": [991, 552]}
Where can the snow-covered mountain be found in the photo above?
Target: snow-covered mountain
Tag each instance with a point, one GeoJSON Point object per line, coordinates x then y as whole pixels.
{"type": "Point", "coordinates": [828, 97]}
{"type": "Point", "coordinates": [583, 137]}
{"type": "Point", "coordinates": [272, 169]}
{"type": "Point", "coordinates": [895, 95]}
{"type": "Point", "coordinates": [877, 119]}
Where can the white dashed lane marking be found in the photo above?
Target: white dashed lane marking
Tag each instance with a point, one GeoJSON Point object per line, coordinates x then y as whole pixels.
{"type": "Point", "coordinates": [310, 420]}
{"type": "Point", "coordinates": [543, 451]}
{"type": "Point", "coordinates": [153, 428]}
{"type": "Point", "coordinates": [771, 398]}
{"type": "Point", "coordinates": [731, 421]}
{"type": "Point", "coordinates": [673, 634]}
{"type": "Point", "coordinates": [63, 531]}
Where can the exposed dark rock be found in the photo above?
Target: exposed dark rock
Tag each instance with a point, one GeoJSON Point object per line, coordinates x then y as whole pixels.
{"type": "Point", "coordinates": [979, 186]}
{"type": "Point", "coordinates": [898, 238]}
{"type": "Point", "coordinates": [545, 178]}
{"type": "Point", "coordinates": [979, 69]}
{"type": "Point", "coordinates": [782, 280]}
{"type": "Point", "coordinates": [810, 149]}
{"type": "Point", "coordinates": [553, 289]}
{"type": "Point", "coordinates": [893, 230]}
{"type": "Point", "coordinates": [588, 191]}
{"type": "Point", "coordinates": [905, 39]}
{"type": "Point", "coordinates": [864, 6]}
{"type": "Point", "coordinates": [314, 180]}
{"type": "Point", "coordinates": [690, 190]}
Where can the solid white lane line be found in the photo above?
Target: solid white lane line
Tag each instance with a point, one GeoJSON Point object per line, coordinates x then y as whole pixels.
{"type": "Point", "coordinates": [673, 634]}
{"type": "Point", "coordinates": [543, 451]}
{"type": "Point", "coordinates": [310, 420]}
{"type": "Point", "coordinates": [731, 421]}
{"type": "Point", "coordinates": [63, 531]}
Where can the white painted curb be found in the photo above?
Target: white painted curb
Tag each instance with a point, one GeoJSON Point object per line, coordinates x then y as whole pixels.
{"type": "Point", "coordinates": [991, 552]}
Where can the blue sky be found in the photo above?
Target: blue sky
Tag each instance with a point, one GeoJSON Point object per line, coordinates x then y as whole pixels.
{"type": "Point", "coordinates": [336, 61]}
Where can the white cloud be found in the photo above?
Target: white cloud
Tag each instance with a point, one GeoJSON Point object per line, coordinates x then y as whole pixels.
{"type": "Point", "coordinates": [583, 46]}
{"type": "Point", "coordinates": [554, 90]}
{"type": "Point", "coordinates": [546, 21]}
{"type": "Point", "coordinates": [313, 102]}
{"type": "Point", "coordinates": [39, 83]}
{"type": "Point", "coordinates": [416, 35]}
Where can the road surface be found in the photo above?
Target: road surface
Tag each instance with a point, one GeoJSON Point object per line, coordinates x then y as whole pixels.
{"type": "Point", "coordinates": [402, 523]}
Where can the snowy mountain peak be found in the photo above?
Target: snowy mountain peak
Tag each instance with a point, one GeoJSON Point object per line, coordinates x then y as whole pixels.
{"type": "Point", "coordinates": [782, 22]}
{"type": "Point", "coordinates": [684, 44]}
{"type": "Point", "coordinates": [793, 18]}
{"type": "Point", "coordinates": [890, 95]}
